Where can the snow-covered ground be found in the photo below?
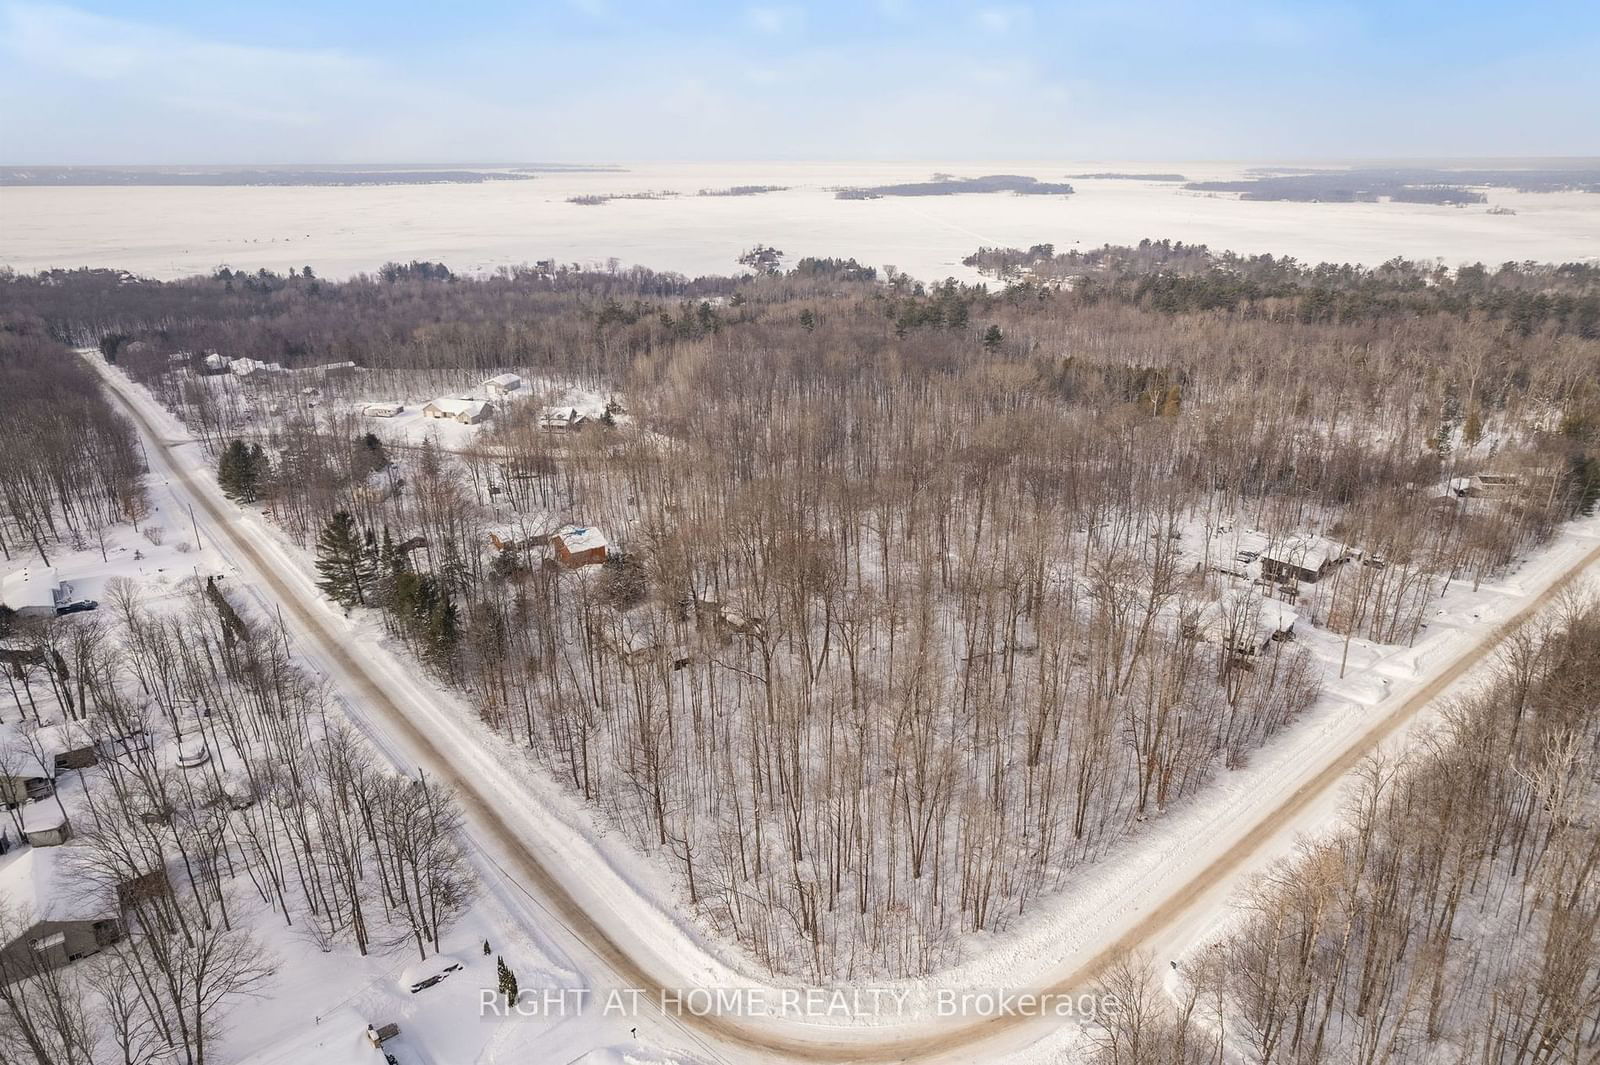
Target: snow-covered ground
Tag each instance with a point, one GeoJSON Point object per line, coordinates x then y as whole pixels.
{"type": "Point", "coordinates": [624, 893]}
{"type": "Point", "coordinates": [176, 232]}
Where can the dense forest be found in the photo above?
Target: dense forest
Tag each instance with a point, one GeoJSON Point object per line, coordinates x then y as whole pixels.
{"type": "Point", "coordinates": [1174, 277]}
{"type": "Point", "coordinates": [904, 617]}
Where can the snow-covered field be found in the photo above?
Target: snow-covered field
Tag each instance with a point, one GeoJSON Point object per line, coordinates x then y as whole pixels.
{"type": "Point", "coordinates": [171, 232]}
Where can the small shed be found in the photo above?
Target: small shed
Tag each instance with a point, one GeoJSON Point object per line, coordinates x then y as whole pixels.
{"type": "Point", "coordinates": [44, 825]}
{"type": "Point", "coordinates": [383, 410]}
{"type": "Point", "coordinates": [502, 384]}
{"type": "Point", "coordinates": [579, 545]}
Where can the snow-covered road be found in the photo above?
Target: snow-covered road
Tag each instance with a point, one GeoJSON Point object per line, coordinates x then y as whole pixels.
{"type": "Point", "coordinates": [617, 933]}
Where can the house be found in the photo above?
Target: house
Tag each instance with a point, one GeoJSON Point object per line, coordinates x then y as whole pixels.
{"type": "Point", "coordinates": [579, 545]}
{"type": "Point", "coordinates": [21, 787]}
{"type": "Point", "coordinates": [465, 411]}
{"type": "Point", "coordinates": [216, 363]}
{"type": "Point", "coordinates": [1242, 622]}
{"type": "Point", "coordinates": [59, 918]}
{"type": "Point", "coordinates": [383, 410]}
{"type": "Point", "coordinates": [1494, 485]}
{"type": "Point", "coordinates": [251, 367]}
{"type": "Point", "coordinates": [560, 420]}
{"type": "Point", "coordinates": [1305, 559]}
{"type": "Point", "coordinates": [380, 1034]}
{"type": "Point", "coordinates": [506, 540]}
{"type": "Point", "coordinates": [502, 384]}
{"type": "Point", "coordinates": [34, 593]}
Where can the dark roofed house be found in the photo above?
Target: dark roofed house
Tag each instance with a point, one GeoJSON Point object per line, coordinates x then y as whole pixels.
{"type": "Point", "coordinates": [57, 918]}
{"type": "Point", "coordinates": [1303, 560]}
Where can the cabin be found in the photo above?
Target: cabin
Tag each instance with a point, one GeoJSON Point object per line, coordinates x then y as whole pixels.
{"type": "Point", "coordinates": [1303, 560]}
{"type": "Point", "coordinates": [502, 385]}
{"type": "Point", "coordinates": [465, 411]}
{"type": "Point", "coordinates": [579, 545]}
{"type": "Point", "coordinates": [34, 593]}
{"type": "Point", "coordinates": [383, 410]}
{"type": "Point", "coordinates": [61, 918]}
{"type": "Point", "coordinates": [216, 364]}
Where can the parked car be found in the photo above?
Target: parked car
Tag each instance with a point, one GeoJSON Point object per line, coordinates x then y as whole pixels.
{"type": "Point", "coordinates": [77, 606]}
{"type": "Point", "coordinates": [425, 974]}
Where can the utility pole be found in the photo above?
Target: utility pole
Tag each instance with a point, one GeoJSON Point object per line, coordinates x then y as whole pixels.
{"type": "Point", "coordinates": [196, 525]}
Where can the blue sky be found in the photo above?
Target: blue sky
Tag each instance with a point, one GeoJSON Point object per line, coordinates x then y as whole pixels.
{"type": "Point", "coordinates": [610, 80]}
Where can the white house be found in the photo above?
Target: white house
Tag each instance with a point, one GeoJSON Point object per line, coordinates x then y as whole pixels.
{"type": "Point", "coordinates": [465, 411]}
{"type": "Point", "coordinates": [216, 363]}
{"type": "Point", "coordinates": [251, 367]}
{"type": "Point", "coordinates": [561, 419]}
{"type": "Point", "coordinates": [34, 593]}
{"type": "Point", "coordinates": [383, 410]}
{"type": "Point", "coordinates": [502, 384]}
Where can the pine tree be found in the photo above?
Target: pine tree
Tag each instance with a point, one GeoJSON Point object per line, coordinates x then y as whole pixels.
{"type": "Point", "coordinates": [343, 560]}
{"type": "Point", "coordinates": [486, 948]}
{"type": "Point", "coordinates": [992, 338]}
{"type": "Point", "coordinates": [231, 467]}
{"type": "Point", "coordinates": [508, 980]}
{"type": "Point", "coordinates": [257, 472]}
{"type": "Point", "coordinates": [240, 471]}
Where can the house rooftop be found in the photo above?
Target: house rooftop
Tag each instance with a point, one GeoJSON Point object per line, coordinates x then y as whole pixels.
{"type": "Point", "coordinates": [38, 884]}
{"type": "Point", "coordinates": [34, 587]}
{"type": "Point", "coordinates": [581, 537]}
{"type": "Point", "coordinates": [459, 406]}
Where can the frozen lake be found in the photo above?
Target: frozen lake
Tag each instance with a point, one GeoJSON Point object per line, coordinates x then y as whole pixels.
{"type": "Point", "coordinates": [169, 232]}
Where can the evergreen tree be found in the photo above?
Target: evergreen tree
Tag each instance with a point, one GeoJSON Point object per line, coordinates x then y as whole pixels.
{"type": "Point", "coordinates": [508, 980]}
{"type": "Point", "coordinates": [992, 338]}
{"type": "Point", "coordinates": [486, 948]}
{"type": "Point", "coordinates": [229, 468]}
{"type": "Point", "coordinates": [343, 560]}
{"type": "Point", "coordinates": [240, 471]}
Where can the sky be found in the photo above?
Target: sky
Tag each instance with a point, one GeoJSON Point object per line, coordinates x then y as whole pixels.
{"type": "Point", "coordinates": [487, 81]}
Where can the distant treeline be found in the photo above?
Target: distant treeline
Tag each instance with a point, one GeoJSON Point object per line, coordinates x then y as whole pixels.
{"type": "Point", "coordinates": [1112, 176]}
{"type": "Point", "coordinates": [1402, 184]}
{"type": "Point", "coordinates": [597, 198]}
{"type": "Point", "coordinates": [743, 190]}
{"type": "Point", "coordinates": [138, 175]}
{"type": "Point", "coordinates": [1173, 277]}
{"type": "Point", "coordinates": [947, 186]}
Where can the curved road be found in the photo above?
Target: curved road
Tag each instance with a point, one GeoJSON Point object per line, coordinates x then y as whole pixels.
{"type": "Point", "coordinates": [772, 1039]}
